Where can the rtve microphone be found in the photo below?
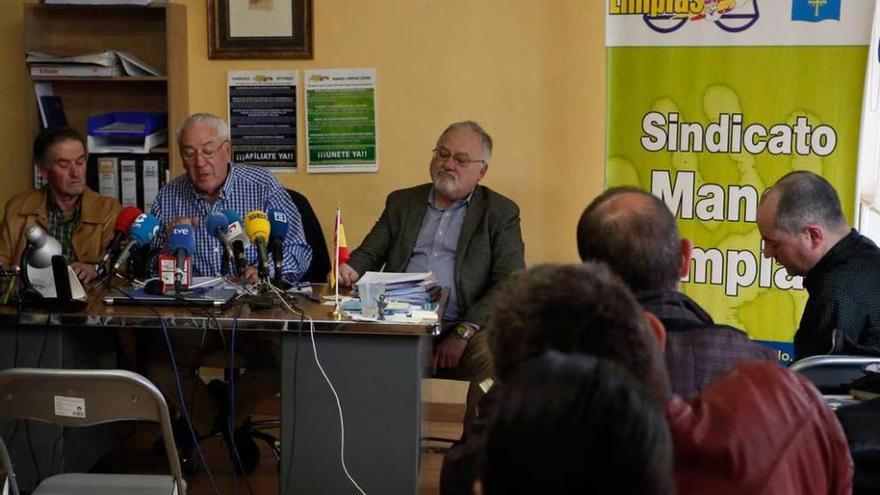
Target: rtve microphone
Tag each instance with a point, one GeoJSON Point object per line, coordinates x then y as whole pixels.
{"type": "Point", "coordinates": [181, 243]}
{"type": "Point", "coordinates": [256, 223]}
{"type": "Point", "coordinates": [238, 239]}
{"type": "Point", "coordinates": [141, 233]}
{"type": "Point", "coordinates": [218, 226]}
{"type": "Point", "coordinates": [124, 220]}
{"type": "Point", "coordinates": [279, 226]}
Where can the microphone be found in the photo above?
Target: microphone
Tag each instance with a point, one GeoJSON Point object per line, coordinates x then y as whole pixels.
{"type": "Point", "coordinates": [218, 226]}
{"type": "Point", "coordinates": [256, 223]}
{"type": "Point", "coordinates": [238, 239]}
{"type": "Point", "coordinates": [279, 226]}
{"type": "Point", "coordinates": [182, 243]}
{"type": "Point", "coordinates": [141, 233]}
{"type": "Point", "coordinates": [124, 220]}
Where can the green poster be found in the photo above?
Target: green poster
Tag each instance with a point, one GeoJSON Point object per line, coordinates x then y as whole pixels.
{"type": "Point", "coordinates": [341, 120]}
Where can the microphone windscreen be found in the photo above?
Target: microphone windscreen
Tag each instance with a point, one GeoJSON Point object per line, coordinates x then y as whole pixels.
{"type": "Point", "coordinates": [125, 218]}
{"type": "Point", "coordinates": [144, 229]}
{"type": "Point", "coordinates": [278, 222]}
{"type": "Point", "coordinates": [182, 237]}
{"type": "Point", "coordinates": [232, 216]}
{"type": "Point", "coordinates": [256, 224]}
{"type": "Point", "coordinates": [217, 222]}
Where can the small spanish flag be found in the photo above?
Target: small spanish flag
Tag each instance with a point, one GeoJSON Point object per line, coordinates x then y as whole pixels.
{"type": "Point", "coordinates": [340, 249]}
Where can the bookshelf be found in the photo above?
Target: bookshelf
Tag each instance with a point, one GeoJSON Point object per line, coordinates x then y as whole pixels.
{"type": "Point", "coordinates": [156, 34]}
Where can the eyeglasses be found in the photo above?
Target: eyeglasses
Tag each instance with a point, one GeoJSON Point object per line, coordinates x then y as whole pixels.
{"type": "Point", "coordinates": [189, 154]}
{"type": "Point", "coordinates": [461, 159]}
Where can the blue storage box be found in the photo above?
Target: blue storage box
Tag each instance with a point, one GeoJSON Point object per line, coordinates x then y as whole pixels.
{"type": "Point", "coordinates": [127, 125]}
{"type": "Point", "coordinates": [131, 132]}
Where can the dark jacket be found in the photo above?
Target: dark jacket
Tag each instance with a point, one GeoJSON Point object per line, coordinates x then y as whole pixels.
{"type": "Point", "coordinates": [490, 246]}
{"type": "Point", "coordinates": [844, 288]}
{"type": "Point", "coordinates": [698, 350]}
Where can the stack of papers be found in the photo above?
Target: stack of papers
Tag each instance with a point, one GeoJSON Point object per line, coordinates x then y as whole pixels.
{"type": "Point", "coordinates": [109, 63]}
{"type": "Point", "coordinates": [412, 288]}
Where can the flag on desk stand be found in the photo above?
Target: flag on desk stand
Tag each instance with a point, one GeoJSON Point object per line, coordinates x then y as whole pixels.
{"type": "Point", "coordinates": [340, 251]}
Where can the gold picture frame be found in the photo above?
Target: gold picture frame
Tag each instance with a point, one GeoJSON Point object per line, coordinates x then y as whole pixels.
{"type": "Point", "coordinates": [246, 29]}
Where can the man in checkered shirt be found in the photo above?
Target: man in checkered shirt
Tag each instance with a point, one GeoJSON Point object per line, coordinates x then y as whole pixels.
{"type": "Point", "coordinates": [213, 183]}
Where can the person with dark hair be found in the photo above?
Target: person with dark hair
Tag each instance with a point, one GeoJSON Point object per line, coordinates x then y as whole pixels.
{"type": "Point", "coordinates": [79, 218]}
{"type": "Point", "coordinates": [636, 235]}
{"type": "Point", "coordinates": [466, 234]}
{"type": "Point", "coordinates": [575, 424]}
{"type": "Point", "coordinates": [757, 429]}
{"type": "Point", "coordinates": [803, 228]}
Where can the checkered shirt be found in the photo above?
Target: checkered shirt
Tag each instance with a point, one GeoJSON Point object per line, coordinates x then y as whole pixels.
{"type": "Point", "coordinates": [246, 188]}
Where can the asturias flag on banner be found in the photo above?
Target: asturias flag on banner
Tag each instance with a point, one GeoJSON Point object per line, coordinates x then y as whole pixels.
{"type": "Point", "coordinates": [815, 10]}
{"type": "Point", "coordinates": [341, 247]}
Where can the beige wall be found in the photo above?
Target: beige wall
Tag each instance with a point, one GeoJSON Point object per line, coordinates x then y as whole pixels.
{"type": "Point", "coordinates": [531, 72]}
{"type": "Point", "coordinates": [15, 106]}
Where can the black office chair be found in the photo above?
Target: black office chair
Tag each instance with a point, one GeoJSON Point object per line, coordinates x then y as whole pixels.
{"type": "Point", "coordinates": [320, 265]}
{"type": "Point", "coordinates": [833, 374]}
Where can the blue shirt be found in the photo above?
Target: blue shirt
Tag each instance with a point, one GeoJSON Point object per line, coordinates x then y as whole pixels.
{"type": "Point", "coordinates": [246, 188]}
{"type": "Point", "coordinates": [436, 246]}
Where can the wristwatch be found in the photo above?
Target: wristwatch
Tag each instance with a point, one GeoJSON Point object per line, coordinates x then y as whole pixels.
{"type": "Point", "coordinates": [464, 332]}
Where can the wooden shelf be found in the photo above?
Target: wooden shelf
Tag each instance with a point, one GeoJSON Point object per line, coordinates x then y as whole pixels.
{"type": "Point", "coordinates": [155, 34]}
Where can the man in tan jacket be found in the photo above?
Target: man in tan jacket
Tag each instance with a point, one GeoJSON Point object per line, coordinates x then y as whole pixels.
{"type": "Point", "coordinates": [79, 218]}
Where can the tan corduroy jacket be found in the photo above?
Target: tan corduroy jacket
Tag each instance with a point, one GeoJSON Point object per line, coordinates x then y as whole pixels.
{"type": "Point", "coordinates": [90, 238]}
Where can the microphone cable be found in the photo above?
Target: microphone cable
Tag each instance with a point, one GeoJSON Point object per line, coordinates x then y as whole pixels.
{"type": "Point", "coordinates": [184, 411]}
{"type": "Point", "coordinates": [329, 384]}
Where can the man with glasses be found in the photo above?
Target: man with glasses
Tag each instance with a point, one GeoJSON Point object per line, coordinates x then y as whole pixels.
{"type": "Point", "coordinates": [466, 234]}
{"type": "Point", "coordinates": [213, 183]}
{"type": "Point", "coordinates": [79, 218]}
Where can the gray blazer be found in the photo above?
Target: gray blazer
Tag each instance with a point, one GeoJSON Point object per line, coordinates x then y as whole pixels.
{"type": "Point", "coordinates": [490, 246]}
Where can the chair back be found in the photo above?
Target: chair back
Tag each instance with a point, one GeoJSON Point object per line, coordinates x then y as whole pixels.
{"type": "Point", "coordinates": [320, 265]}
{"type": "Point", "coordinates": [74, 398]}
{"type": "Point", "coordinates": [10, 485]}
{"type": "Point", "coordinates": [833, 374]}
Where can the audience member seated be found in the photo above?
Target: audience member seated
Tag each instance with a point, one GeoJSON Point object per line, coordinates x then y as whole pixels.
{"type": "Point", "coordinates": [79, 218]}
{"type": "Point", "coordinates": [213, 183]}
{"type": "Point", "coordinates": [803, 227]}
{"type": "Point", "coordinates": [574, 424]}
{"type": "Point", "coordinates": [636, 234]}
{"type": "Point", "coordinates": [466, 234]}
{"type": "Point", "coordinates": [757, 429]}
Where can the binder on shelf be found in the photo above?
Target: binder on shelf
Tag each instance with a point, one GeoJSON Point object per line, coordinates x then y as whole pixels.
{"type": "Point", "coordinates": [152, 178]}
{"type": "Point", "coordinates": [128, 179]}
{"type": "Point", "coordinates": [108, 176]}
{"type": "Point", "coordinates": [137, 181]}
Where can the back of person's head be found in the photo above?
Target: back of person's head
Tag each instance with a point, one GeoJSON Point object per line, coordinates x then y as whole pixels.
{"type": "Point", "coordinates": [580, 308]}
{"type": "Point", "coordinates": [575, 424]}
{"type": "Point", "coordinates": [50, 137]}
{"type": "Point", "coordinates": [635, 233]}
{"type": "Point", "coordinates": [806, 198]}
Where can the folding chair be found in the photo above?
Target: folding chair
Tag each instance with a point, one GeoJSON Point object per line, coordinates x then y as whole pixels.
{"type": "Point", "coordinates": [833, 374]}
{"type": "Point", "coordinates": [73, 398]}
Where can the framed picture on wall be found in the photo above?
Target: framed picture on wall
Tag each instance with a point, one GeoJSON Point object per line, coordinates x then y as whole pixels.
{"type": "Point", "coordinates": [240, 29]}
